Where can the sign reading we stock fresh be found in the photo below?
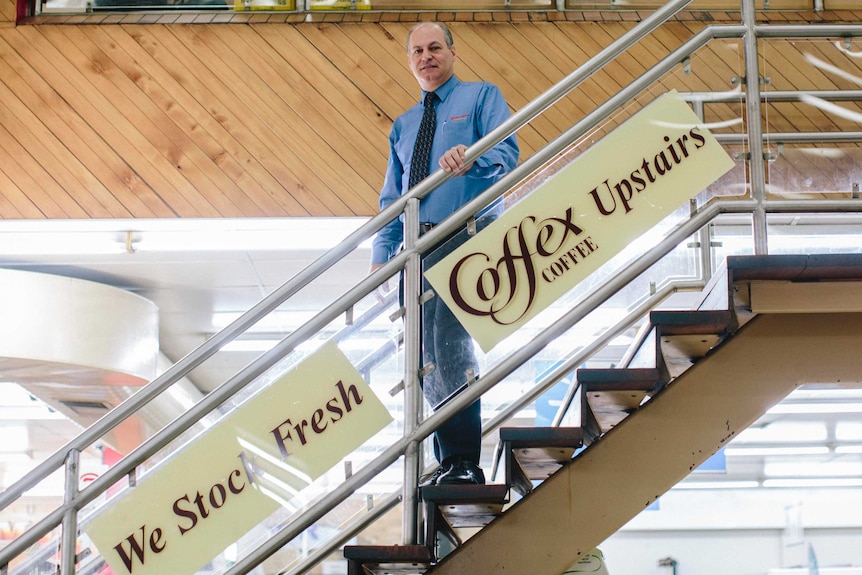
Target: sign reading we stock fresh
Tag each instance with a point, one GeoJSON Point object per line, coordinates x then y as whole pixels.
{"type": "Point", "coordinates": [579, 219]}
{"type": "Point", "coordinates": [238, 472]}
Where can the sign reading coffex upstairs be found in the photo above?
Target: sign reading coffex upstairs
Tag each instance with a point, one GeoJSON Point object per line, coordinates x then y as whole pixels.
{"type": "Point", "coordinates": [579, 219]}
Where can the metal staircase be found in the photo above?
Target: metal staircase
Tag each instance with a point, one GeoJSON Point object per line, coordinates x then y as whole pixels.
{"type": "Point", "coordinates": [710, 376]}
{"type": "Point", "coordinates": [696, 377]}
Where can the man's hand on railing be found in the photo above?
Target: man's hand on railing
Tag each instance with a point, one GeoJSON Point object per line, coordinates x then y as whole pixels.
{"type": "Point", "coordinates": [452, 160]}
{"type": "Point", "coordinates": [384, 288]}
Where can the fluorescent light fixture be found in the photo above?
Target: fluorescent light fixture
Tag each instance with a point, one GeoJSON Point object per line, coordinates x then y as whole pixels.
{"type": "Point", "coordinates": [848, 431]}
{"type": "Point", "coordinates": [90, 237]}
{"type": "Point", "coordinates": [261, 345]}
{"type": "Point", "coordinates": [250, 345]}
{"type": "Point", "coordinates": [273, 321]}
{"type": "Point", "coordinates": [815, 395]}
{"type": "Point", "coordinates": [256, 235]}
{"type": "Point", "coordinates": [848, 450]}
{"type": "Point", "coordinates": [813, 483]}
{"type": "Point", "coordinates": [717, 485]}
{"type": "Point", "coordinates": [800, 432]}
{"type": "Point", "coordinates": [20, 405]}
{"type": "Point", "coordinates": [281, 321]}
{"type": "Point", "coordinates": [16, 456]}
{"type": "Point", "coordinates": [815, 408]}
{"type": "Point", "coordinates": [782, 242]}
{"type": "Point", "coordinates": [824, 469]}
{"type": "Point", "coordinates": [15, 434]}
{"type": "Point", "coordinates": [770, 451]}
{"type": "Point", "coordinates": [58, 243]}
{"type": "Point", "coordinates": [831, 69]}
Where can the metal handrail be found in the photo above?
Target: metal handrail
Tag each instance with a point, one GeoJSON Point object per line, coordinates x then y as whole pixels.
{"type": "Point", "coordinates": [77, 500]}
{"type": "Point", "coordinates": [513, 361]}
{"type": "Point", "coordinates": [473, 392]}
{"type": "Point", "coordinates": [277, 298]}
{"type": "Point", "coordinates": [547, 380]}
{"type": "Point", "coordinates": [772, 96]}
{"type": "Point", "coordinates": [304, 277]}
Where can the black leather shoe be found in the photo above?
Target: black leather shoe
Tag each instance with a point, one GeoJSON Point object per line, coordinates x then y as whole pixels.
{"type": "Point", "coordinates": [432, 478]}
{"type": "Point", "coordinates": [462, 472]}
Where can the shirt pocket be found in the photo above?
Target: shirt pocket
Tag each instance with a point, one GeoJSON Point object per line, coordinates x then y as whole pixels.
{"type": "Point", "coordinates": [458, 129]}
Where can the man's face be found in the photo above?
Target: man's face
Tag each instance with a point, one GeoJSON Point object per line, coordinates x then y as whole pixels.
{"type": "Point", "coordinates": [431, 61]}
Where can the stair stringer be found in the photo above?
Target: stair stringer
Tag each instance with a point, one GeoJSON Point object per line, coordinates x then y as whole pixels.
{"type": "Point", "coordinates": [650, 451]}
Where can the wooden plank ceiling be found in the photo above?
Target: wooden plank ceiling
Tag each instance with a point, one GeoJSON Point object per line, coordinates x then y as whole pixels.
{"type": "Point", "coordinates": [279, 119]}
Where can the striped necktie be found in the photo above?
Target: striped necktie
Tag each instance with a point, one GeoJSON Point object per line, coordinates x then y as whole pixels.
{"type": "Point", "coordinates": [420, 165]}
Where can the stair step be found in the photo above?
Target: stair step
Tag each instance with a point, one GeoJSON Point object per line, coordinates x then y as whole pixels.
{"type": "Point", "coordinates": [387, 559]}
{"type": "Point", "coordinates": [622, 379]}
{"type": "Point", "coordinates": [528, 437]}
{"type": "Point", "coordinates": [742, 270]}
{"type": "Point", "coordinates": [535, 453]}
{"type": "Point", "coordinates": [466, 505]}
{"type": "Point", "coordinates": [686, 336]}
{"type": "Point", "coordinates": [612, 394]}
{"type": "Point", "coordinates": [692, 322]}
{"type": "Point", "coordinates": [540, 451]}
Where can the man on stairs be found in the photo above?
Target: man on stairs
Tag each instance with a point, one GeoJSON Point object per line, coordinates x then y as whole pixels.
{"type": "Point", "coordinates": [451, 116]}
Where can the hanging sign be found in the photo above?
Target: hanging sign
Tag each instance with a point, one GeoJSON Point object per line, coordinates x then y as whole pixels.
{"type": "Point", "coordinates": [544, 245]}
{"type": "Point", "coordinates": [240, 471]}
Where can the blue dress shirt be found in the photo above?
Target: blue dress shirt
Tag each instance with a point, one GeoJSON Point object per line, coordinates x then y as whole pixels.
{"type": "Point", "coordinates": [466, 112]}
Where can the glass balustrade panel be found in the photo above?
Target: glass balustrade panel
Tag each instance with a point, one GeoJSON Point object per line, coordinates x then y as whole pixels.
{"type": "Point", "coordinates": [812, 114]}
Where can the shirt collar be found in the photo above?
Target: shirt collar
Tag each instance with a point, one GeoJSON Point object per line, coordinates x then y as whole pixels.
{"type": "Point", "coordinates": [444, 90]}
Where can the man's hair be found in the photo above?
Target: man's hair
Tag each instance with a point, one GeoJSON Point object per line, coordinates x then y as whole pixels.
{"type": "Point", "coordinates": [447, 34]}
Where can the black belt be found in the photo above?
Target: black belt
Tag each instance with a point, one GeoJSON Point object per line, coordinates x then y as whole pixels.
{"type": "Point", "coordinates": [425, 227]}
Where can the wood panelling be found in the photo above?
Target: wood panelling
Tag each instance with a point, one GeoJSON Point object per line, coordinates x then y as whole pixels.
{"type": "Point", "coordinates": [7, 12]}
{"type": "Point", "coordinates": [291, 119]}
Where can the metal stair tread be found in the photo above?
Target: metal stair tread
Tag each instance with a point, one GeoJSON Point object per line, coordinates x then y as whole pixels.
{"type": "Point", "coordinates": [388, 559]}
{"type": "Point", "coordinates": [619, 379]}
{"type": "Point", "coordinates": [692, 322]}
{"type": "Point", "coordinates": [539, 451]}
{"type": "Point", "coordinates": [467, 505]}
{"type": "Point", "coordinates": [794, 267]}
{"type": "Point", "coordinates": [612, 394]}
{"type": "Point", "coordinates": [463, 494]}
{"type": "Point", "coordinates": [685, 336]}
{"type": "Point", "coordinates": [526, 437]}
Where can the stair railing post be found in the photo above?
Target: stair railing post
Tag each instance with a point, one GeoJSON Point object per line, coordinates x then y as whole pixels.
{"type": "Point", "coordinates": [68, 544]}
{"type": "Point", "coordinates": [704, 239]}
{"type": "Point", "coordinates": [412, 351]}
{"type": "Point", "coordinates": [757, 170]}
